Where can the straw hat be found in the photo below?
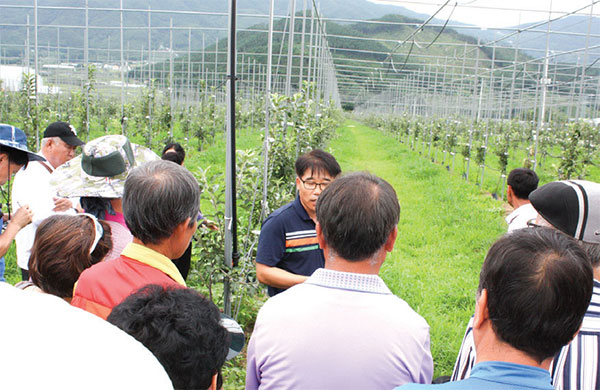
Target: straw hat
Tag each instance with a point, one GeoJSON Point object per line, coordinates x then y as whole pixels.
{"type": "Point", "coordinates": [101, 170]}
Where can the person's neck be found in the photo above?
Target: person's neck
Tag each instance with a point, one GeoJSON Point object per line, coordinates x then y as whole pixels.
{"type": "Point", "coordinates": [492, 349]}
{"type": "Point", "coordinates": [369, 266]}
{"type": "Point", "coordinates": [597, 273]}
{"type": "Point", "coordinates": [162, 247]}
{"type": "Point", "coordinates": [518, 202]}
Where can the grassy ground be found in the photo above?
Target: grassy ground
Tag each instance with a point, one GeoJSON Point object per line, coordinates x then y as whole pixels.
{"type": "Point", "coordinates": [446, 227]}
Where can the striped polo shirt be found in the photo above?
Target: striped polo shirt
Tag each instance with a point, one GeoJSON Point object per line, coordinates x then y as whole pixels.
{"type": "Point", "coordinates": [288, 240]}
{"type": "Point", "coordinates": [577, 365]}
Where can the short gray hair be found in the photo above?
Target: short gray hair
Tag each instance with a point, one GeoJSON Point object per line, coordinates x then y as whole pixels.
{"type": "Point", "coordinates": [48, 139]}
{"type": "Point", "coordinates": [158, 197]}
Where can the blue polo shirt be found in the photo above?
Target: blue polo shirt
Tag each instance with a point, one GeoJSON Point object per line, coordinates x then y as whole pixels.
{"type": "Point", "coordinates": [288, 240]}
{"type": "Point", "coordinates": [494, 375]}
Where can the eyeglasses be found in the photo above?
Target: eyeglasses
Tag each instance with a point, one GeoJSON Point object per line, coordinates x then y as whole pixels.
{"type": "Point", "coordinates": [311, 185]}
{"type": "Point", "coordinates": [99, 232]}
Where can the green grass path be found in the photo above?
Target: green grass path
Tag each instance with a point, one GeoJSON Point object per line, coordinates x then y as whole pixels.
{"type": "Point", "coordinates": [445, 229]}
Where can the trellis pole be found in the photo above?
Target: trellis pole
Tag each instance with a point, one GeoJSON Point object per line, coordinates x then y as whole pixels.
{"type": "Point", "coordinates": [171, 81]}
{"type": "Point", "coordinates": [544, 82]}
{"type": "Point", "coordinates": [35, 102]}
{"type": "Point", "coordinates": [265, 207]}
{"type": "Point", "coordinates": [301, 72]}
{"type": "Point", "coordinates": [231, 253]}
{"type": "Point", "coordinates": [288, 75]}
{"type": "Point", "coordinates": [149, 77]}
{"type": "Point", "coordinates": [123, 120]}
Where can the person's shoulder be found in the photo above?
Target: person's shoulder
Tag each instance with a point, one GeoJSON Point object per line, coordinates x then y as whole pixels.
{"type": "Point", "coordinates": [400, 311]}
{"type": "Point", "coordinates": [281, 212]}
{"type": "Point", "coordinates": [33, 169]}
{"type": "Point", "coordinates": [98, 273]}
{"type": "Point", "coordinates": [68, 331]}
{"type": "Point", "coordinates": [278, 218]}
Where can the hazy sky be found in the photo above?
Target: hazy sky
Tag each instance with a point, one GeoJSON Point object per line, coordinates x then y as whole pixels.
{"type": "Point", "coordinates": [498, 13]}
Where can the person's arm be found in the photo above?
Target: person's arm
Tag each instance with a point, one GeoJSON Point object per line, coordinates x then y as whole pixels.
{"type": "Point", "coordinates": [62, 204]}
{"type": "Point", "coordinates": [19, 220]}
{"type": "Point", "coordinates": [277, 277]}
{"type": "Point", "coordinates": [252, 371]}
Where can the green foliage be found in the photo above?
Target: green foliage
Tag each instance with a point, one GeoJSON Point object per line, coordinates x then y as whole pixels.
{"type": "Point", "coordinates": [564, 150]}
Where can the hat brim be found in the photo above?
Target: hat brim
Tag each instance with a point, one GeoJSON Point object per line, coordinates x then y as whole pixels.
{"type": "Point", "coordinates": [73, 141]}
{"type": "Point", "coordinates": [70, 180]}
{"type": "Point", "coordinates": [30, 155]}
{"type": "Point", "coordinates": [237, 337]}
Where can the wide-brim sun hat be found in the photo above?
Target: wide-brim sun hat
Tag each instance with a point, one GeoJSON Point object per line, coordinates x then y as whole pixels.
{"type": "Point", "coordinates": [14, 138]}
{"type": "Point", "coordinates": [571, 206]}
{"type": "Point", "coordinates": [101, 169]}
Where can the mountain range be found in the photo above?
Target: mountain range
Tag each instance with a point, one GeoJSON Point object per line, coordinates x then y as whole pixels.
{"type": "Point", "coordinates": [62, 21]}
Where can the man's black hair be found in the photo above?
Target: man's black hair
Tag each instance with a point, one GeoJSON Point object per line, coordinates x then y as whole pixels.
{"type": "Point", "coordinates": [539, 285]}
{"type": "Point", "coordinates": [181, 328]}
{"type": "Point", "coordinates": [317, 161]}
{"type": "Point", "coordinates": [357, 213]}
{"type": "Point", "coordinates": [173, 156]}
{"type": "Point", "coordinates": [177, 148]}
{"type": "Point", "coordinates": [522, 181]}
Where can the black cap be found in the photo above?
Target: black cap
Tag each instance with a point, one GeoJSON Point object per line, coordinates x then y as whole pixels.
{"type": "Point", "coordinates": [64, 131]}
{"type": "Point", "coordinates": [571, 206]}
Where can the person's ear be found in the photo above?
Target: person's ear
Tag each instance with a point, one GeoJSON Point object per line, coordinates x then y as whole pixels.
{"type": "Point", "coordinates": [391, 240]}
{"type": "Point", "coordinates": [183, 226]}
{"type": "Point", "coordinates": [481, 310]}
{"type": "Point", "coordinates": [320, 237]}
{"type": "Point", "coordinates": [509, 192]}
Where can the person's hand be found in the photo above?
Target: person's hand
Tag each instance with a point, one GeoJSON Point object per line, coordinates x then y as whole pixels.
{"type": "Point", "coordinates": [62, 204]}
{"type": "Point", "coordinates": [22, 217]}
{"type": "Point", "coordinates": [210, 224]}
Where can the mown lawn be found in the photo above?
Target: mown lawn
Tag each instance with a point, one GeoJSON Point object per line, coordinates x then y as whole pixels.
{"type": "Point", "coordinates": [445, 229]}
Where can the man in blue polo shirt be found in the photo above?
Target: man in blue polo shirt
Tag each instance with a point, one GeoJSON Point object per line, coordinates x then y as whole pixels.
{"type": "Point", "coordinates": [288, 251]}
{"type": "Point", "coordinates": [534, 289]}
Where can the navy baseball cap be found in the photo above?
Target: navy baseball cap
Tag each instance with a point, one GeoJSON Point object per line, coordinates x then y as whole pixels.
{"type": "Point", "coordinates": [13, 137]}
{"type": "Point", "coordinates": [64, 131]}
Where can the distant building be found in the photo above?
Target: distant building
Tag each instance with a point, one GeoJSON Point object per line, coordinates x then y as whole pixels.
{"type": "Point", "coordinates": [12, 79]}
